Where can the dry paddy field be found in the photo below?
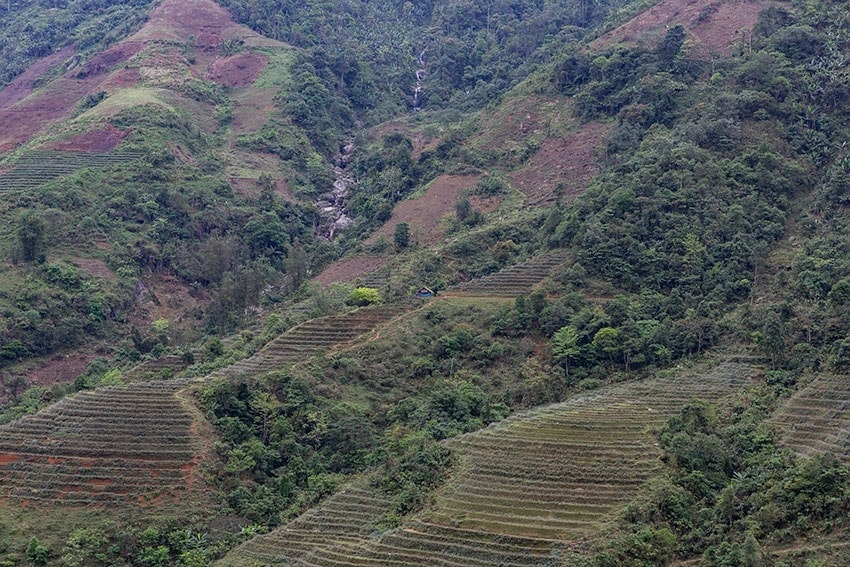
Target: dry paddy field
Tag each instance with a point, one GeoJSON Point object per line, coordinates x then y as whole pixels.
{"type": "Point", "coordinates": [309, 338]}
{"type": "Point", "coordinates": [817, 418]}
{"type": "Point", "coordinates": [514, 280]}
{"type": "Point", "coordinates": [525, 489]}
{"type": "Point", "coordinates": [130, 446]}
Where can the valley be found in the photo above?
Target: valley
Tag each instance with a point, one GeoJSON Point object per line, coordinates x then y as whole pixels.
{"type": "Point", "coordinates": [457, 283]}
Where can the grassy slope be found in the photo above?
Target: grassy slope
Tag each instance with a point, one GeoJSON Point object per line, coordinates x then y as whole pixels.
{"type": "Point", "coordinates": [524, 487]}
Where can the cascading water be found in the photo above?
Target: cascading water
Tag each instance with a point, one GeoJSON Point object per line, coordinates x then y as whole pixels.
{"type": "Point", "coordinates": [332, 204]}
{"type": "Point", "coordinates": [421, 73]}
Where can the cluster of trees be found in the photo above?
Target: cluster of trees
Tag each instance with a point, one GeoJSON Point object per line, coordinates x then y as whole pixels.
{"type": "Point", "coordinates": [284, 445]}
{"type": "Point", "coordinates": [166, 542]}
{"type": "Point", "coordinates": [728, 490]}
{"type": "Point", "coordinates": [36, 28]}
{"type": "Point", "coordinates": [367, 53]}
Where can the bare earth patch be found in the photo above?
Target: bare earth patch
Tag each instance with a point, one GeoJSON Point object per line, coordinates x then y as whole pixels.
{"type": "Point", "coordinates": [103, 139]}
{"type": "Point", "coordinates": [349, 269]}
{"type": "Point", "coordinates": [24, 83]}
{"type": "Point", "coordinates": [714, 26]}
{"type": "Point", "coordinates": [568, 162]}
{"type": "Point", "coordinates": [238, 70]}
{"type": "Point", "coordinates": [115, 55]}
{"type": "Point", "coordinates": [424, 213]}
{"type": "Point", "coordinates": [25, 113]}
{"type": "Point", "coordinates": [59, 369]}
{"type": "Point", "coordinates": [95, 267]}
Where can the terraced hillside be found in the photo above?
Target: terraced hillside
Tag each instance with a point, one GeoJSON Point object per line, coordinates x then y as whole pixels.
{"type": "Point", "coordinates": [524, 489]}
{"type": "Point", "coordinates": [135, 444]}
{"type": "Point", "coordinates": [157, 369]}
{"type": "Point", "coordinates": [515, 280]}
{"type": "Point", "coordinates": [817, 418]}
{"type": "Point", "coordinates": [35, 168]}
{"type": "Point", "coordinates": [346, 519]}
{"type": "Point", "coordinates": [309, 338]}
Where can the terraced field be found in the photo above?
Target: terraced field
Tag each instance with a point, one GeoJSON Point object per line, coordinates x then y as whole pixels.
{"type": "Point", "coordinates": [817, 418]}
{"type": "Point", "coordinates": [156, 369]}
{"type": "Point", "coordinates": [515, 280]}
{"type": "Point", "coordinates": [524, 489]}
{"type": "Point", "coordinates": [309, 338]}
{"type": "Point", "coordinates": [129, 445]}
{"type": "Point", "coordinates": [36, 168]}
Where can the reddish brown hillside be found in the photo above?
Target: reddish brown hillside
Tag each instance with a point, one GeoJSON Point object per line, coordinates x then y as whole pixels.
{"type": "Point", "coordinates": [423, 214]}
{"type": "Point", "coordinates": [25, 113]}
{"type": "Point", "coordinates": [713, 25]}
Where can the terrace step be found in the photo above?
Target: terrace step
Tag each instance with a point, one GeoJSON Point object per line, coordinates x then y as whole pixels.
{"type": "Point", "coordinates": [817, 417]}
{"type": "Point", "coordinates": [524, 486]}
{"type": "Point", "coordinates": [515, 280]}
{"type": "Point", "coordinates": [117, 444]}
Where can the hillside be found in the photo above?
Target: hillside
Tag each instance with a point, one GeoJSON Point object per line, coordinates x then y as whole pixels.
{"type": "Point", "coordinates": [629, 218]}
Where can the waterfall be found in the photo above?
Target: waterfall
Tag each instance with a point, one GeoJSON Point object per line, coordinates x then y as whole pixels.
{"type": "Point", "coordinates": [421, 73]}
{"type": "Point", "coordinates": [332, 203]}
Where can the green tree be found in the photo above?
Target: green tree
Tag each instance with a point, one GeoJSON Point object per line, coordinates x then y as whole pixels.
{"type": "Point", "coordinates": [607, 341]}
{"type": "Point", "coordinates": [37, 554]}
{"type": "Point", "coordinates": [31, 233]}
{"type": "Point", "coordinates": [401, 236]}
{"type": "Point", "coordinates": [565, 347]}
{"type": "Point", "coordinates": [296, 264]}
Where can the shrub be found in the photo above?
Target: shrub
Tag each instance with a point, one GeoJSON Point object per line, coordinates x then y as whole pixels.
{"type": "Point", "coordinates": [361, 296]}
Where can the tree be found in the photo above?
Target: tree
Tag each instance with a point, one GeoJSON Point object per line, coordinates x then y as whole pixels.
{"type": "Point", "coordinates": [565, 346]}
{"type": "Point", "coordinates": [401, 236]}
{"type": "Point", "coordinates": [296, 264]}
{"type": "Point", "coordinates": [31, 236]}
{"type": "Point", "coordinates": [607, 341]}
{"type": "Point", "coordinates": [37, 554]}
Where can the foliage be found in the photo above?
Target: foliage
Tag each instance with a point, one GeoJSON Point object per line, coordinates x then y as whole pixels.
{"type": "Point", "coordinates": [401, 235]}
{"type": "Point", "coordinates": [37, 554]}
{"type": "Point", "coordinates": [728, 491]}
{"type": "Point", "coordinates": [362, 296]}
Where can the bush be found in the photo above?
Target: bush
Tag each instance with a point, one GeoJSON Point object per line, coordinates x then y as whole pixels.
{"type": "Point", "coordinates": [362, 296]}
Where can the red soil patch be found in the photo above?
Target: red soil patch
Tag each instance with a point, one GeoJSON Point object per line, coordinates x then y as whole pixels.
{"type": "Point", "coordinates": [24, 83]}
{"type": "Point", "coordinates": [209, 23]}
{"type": "Point", "coordinates": [101, 140]}
{"type": "Point", "coordinates": [485, 204]}
{"type": "Point", "coordinates": [424, 214]}
{"type": "Point", "coordinates": [568, 162]}
{"type": "Point", "coordinates": [115, 55]}
{"type": "Point", "coordinates": [95, 266]}
{"type": "Point", "coordinates": [120, 79]}
{"type": "Point", "coordinates": [713, 25]}
{"type": "Point", "coordinates": [349, 269]}
{"type": "Point", "coordinates": [57, 370]}
{"type": "Point", "coordinates": [24, 114]}
{"type": "Point", "coordinates": [238, 70]}
{"type": "Point", "coordinates": [7, 459]}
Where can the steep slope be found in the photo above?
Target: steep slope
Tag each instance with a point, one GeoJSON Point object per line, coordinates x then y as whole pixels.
{"type": "Point", "coordinates": [133, 446]}
{"type": "Point", "coordinates": [817, 418]}
{"type": "Point", "coordinates": [524, 487]}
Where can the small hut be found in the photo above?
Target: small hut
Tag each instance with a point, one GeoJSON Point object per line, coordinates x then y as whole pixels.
{"type": "Point", "coordinates": [424, 292]}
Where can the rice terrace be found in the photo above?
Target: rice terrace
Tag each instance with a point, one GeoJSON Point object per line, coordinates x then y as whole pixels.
{"type": "Point", "coordinates": [458, 283]}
